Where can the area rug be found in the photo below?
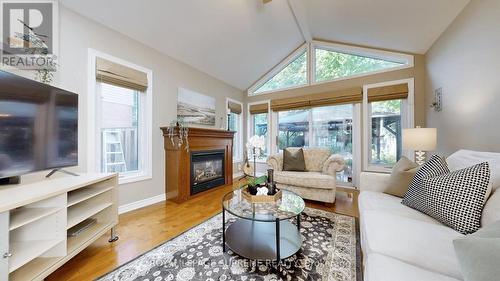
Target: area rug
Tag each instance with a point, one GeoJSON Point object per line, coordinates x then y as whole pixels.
{"type": "Point", "coordinates": [330, 252]}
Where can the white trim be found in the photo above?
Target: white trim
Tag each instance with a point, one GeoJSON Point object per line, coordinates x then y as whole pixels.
{"type": "Point", "coordinates": [141, 203]}
{"type": "Point", "coordinates": [284, 63]}
{"type": "Point", "coordinates": [93, 138]}
{"type": "Point", "coordinates": [407, 60]}
{"type": "Point", "coordinates": [407, 120]}
{"type": "Point", "coordinates": [357, 148]}
{"type": "Point", "coordinates": [239, 158]}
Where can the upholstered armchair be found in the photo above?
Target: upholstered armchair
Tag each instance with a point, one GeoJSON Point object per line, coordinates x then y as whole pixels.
{"type": "Point", "coordinates": [318, 182]}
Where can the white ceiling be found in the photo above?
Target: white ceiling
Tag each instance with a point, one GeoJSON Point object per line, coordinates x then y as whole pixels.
{"type": "Point", "coordinates": [237, 41]}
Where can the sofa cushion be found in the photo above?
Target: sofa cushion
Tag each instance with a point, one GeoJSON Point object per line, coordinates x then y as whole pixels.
{"type": "Point", "coordinates": [466, 158]}
{"type": "Point", "coordinates": [305, 179]}
{"type": "Point", "coordinates": [401, 177]}
{"type": "Point", "coordinates": [293, 160]}
{"type": "Point", "coordinates": [376, 201]}
{"type": "Point", "coordinates": [383, 268]}
{"type": "Point", "coordinates": [422, 244]}
{"type": "Point", "coordinates": [415, 196]}
{"type": "Point", "coordinates": [491, 211]}
{"type": "Point", "coordinates": [479, 253]}
{"type": "Point", "coordinates": [457, 199]}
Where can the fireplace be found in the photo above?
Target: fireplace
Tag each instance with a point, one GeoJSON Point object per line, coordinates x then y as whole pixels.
{"type": "Point", "coordinates": [178, 168]}
{"type": "Point", "coordinates": [207, 170]}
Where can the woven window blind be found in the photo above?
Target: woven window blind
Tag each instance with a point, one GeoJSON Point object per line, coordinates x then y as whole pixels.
{"type": "Point", "coordinates": [234, 107]}
{"type": "Point", "coordinates": [353, 95]}
{"type": "Point", "coordinates": [393, 92]}
{"type": "Point", "coordinates": [119, 75]}
{"type": "Point", "coordinates": [258, 108]}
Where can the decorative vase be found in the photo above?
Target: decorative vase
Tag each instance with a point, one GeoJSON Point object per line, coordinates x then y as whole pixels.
{"type": "Point", "coordinates": [271, 186]}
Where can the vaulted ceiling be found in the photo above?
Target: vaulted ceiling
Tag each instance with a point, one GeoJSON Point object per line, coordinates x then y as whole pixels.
{"type": "Point", "coordinates": [237, 41]}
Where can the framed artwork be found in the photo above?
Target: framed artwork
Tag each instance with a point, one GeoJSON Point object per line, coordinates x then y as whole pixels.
{"type": "Point", "coordinates": [195, 108]}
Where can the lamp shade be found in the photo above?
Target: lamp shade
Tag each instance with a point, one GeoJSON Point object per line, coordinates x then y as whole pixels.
{"type": "Point", "coordinates": [424, 139]}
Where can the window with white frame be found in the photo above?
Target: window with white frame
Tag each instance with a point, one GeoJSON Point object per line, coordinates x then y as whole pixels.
{"type": "Point", "coordinates": [235, 119]}
{"type": "Point", "coordinates": [123, 119]}
{"type": "Point", "coordinates": [120, 128]}
{"type": "Point", "coordinates": [388, 110]}
{"type": "Point", "coordinates": [328, 62]}
{"type": "Point", "coordinates": [258, 125]}
{"type": "Point", "coordinates": [331, 64]}
{"type": "Point", "coordinates": [326, 126]}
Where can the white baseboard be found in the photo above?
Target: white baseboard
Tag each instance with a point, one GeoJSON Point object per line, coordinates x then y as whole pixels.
{"type": "Point", "coordinates": [141, 203]}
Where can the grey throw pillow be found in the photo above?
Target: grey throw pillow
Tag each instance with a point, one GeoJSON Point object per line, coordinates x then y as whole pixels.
{"type": "Point", "coordinates": [479, 254]}
{"type": "Point", "coordinates": [293, 160]}
{"type": "Point", "coordinates": [401, 176]}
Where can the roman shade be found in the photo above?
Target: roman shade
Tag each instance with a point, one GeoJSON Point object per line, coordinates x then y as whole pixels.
{"type": "Point", "coordinates": [258, 108]}
{"type": "Point", "coordinates": [119, 75]}
{"type": "Point", "coordinates": [234, 107]}
{"type": "Point", "coordinates": [353, 95]}
{"type": "Point", "coordinates": [392, 92]}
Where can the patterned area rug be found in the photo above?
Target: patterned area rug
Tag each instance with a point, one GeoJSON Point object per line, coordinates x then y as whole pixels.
{"type": "Point", "coordinates": [330, 251]}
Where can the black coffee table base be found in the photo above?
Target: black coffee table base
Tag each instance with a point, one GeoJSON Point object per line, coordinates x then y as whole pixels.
{"type": "Point", "coordinates": [263, 240]}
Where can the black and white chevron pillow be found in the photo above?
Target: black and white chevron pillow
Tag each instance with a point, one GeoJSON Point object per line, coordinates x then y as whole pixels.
{"type": "Point", "coordinates": [415, 197]}
{"type": "Point", "coordinates": [455, 199]}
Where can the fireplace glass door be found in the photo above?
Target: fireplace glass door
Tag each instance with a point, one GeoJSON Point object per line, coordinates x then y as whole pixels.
{"type": "Point", "coordinates": [207, 170]}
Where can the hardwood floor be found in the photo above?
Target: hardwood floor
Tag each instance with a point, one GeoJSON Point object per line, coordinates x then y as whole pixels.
{"type": "Point", "coordinates": [143, 229]}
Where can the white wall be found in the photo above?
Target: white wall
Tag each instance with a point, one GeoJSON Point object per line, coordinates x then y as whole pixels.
{"type": "Point", "coordinates": [465, 62]}
{"type": "Point", "coordinates": [78, 34]}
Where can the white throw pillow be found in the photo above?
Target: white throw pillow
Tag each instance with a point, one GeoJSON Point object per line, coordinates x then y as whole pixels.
{"type": "Point", "coordinates": [466, 158]}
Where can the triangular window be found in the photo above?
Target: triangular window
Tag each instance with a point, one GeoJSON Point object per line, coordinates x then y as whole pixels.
{"type": "Point", "coordinates": [292, 75]}
{"type": "Point", "coordinates": [332, 65]}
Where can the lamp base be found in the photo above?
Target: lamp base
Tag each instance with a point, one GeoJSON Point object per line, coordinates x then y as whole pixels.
{"type": "Point", "coordinates": [420, 157]}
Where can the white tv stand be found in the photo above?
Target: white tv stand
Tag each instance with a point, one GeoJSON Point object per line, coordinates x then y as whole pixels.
{"type": "Point", "coordinates": [35, 218]}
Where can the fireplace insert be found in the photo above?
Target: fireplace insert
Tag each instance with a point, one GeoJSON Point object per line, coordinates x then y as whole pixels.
{"type": "Point", "coordinates": [207, 170]}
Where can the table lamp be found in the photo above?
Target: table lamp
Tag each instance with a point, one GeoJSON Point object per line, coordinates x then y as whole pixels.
{"type": "Point", "coordinates": [420, 140]}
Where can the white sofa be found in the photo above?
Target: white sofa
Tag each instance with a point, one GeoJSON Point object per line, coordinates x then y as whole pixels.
{"type": "Point", "coordinates": [318, 182]}
{"type": "Point", "coordinates": [400, 243]}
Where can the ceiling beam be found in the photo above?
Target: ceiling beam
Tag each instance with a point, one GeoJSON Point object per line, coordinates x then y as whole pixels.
{"type": "Point", "coordinates": [299, 13]}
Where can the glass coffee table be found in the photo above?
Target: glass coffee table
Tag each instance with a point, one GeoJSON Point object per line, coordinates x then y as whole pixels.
{"type": "Point", "coordinates": [262, 231]}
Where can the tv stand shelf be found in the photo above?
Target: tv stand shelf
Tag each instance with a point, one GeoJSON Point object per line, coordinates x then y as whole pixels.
{"type": "Point", "coordinates": [35, 219]}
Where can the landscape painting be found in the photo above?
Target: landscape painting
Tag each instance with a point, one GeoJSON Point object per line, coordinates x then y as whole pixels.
{"type": "Point", "coordinates": [195, 108]}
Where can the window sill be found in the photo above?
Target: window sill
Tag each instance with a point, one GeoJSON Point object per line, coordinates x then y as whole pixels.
{"type": "Point", "coordinates": [379, 169]}
{"type": "Point", "coordinates": [131, 178]}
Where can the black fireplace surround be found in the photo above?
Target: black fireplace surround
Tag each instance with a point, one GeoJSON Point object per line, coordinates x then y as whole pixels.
{"type": "Point", "coordinates": [207, 170]}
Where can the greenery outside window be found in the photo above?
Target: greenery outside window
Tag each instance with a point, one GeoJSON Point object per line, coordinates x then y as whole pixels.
{"type": "Point", "coordinates": [294, 74]}
{"type": "Point", "coordinates": [319, 62]}
{"type": "Point", "coordinates": [386, 132]}
{"type": "Point", "coordinates": [260, 128]}
{"type": "Point", "coordinates": [331, 65]}
{"type": "Point", "coordinates": [327, 126]}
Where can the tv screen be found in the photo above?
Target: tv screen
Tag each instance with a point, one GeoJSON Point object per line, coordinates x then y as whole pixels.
{"type": "Point", "coordinates": [38, 126]}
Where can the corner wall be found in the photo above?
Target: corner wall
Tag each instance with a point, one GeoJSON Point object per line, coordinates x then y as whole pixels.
{"type": "Point", "coordinates": [465, 62]}
{"type": "Point", "coordinates": [78, 34]}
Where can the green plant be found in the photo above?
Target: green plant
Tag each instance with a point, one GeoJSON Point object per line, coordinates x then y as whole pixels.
{"type": "Point", "coordinates": [251, 181]}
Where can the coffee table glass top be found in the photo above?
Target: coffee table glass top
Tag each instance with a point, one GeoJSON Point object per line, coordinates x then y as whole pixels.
{"type": "Point", "coordinates": [289, 206]}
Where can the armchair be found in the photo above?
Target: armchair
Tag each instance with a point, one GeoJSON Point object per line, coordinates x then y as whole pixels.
{"type": "Point", "coordinates": [318, 183]}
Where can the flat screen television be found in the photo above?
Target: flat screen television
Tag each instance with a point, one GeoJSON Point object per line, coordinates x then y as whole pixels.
{"type": "Point", "coordinates": [38, 126]}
